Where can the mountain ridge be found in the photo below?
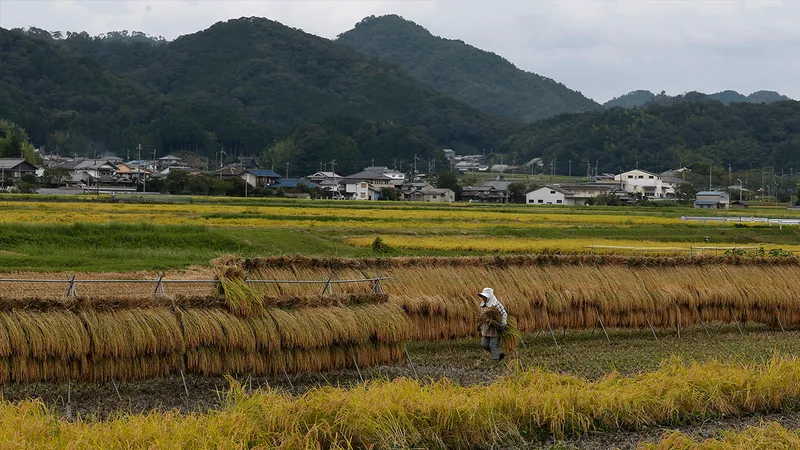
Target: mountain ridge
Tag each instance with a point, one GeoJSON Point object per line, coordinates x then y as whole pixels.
{"type": "Point", "coordinates": [242, 85]}
{"type": "Point", "coordinates": [639, 98]}
{"type": "Point", "coordinates": [482, 79]}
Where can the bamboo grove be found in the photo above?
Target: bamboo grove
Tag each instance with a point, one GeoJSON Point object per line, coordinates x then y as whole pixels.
{"type": "Point", "coordinates": [269, 329]}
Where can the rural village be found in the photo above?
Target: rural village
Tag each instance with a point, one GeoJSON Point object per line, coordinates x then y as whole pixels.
{"type": "Point", "coordinates": [312, 225]}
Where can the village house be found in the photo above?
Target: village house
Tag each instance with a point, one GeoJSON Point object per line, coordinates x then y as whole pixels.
{"type": "Point", "coordinates": [291, 183]}
{"type": "Point", "coordinates": [565, 195]}
{"type": "Point", "coordinates": [15, 168]}
{"type": "Point", "coordinates": [229, 171]}
{"type": "Point", "coordinates": [320, 176]}
{"type": "Point", "coordinates": [649, 184]}
{"type": "Point", "coordinates": [260, 177]}
{"type": "Point", "coordinates": [712, 200]}
{"type": "Point", "coordinates": [433, 195]}
{"type": "Point", "coordinates": [98, 169]}
{"type": "Point", "coordinates": [169, 161]}
{"type": "Point", "coordinates": [367, 184]}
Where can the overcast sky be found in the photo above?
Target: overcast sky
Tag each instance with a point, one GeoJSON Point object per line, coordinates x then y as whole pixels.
{"type": "Point", "coordinates": [601, 48]}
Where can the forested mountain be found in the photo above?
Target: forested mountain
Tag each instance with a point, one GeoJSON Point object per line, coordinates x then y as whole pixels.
{"type": "Point", "coordinates": [241, 85]}
{"type": "Point", "coordinates": [253, 86]}
{"type": "Point", "coordinates": [638, 98]}
{"type": "Point", "coordinates": [482, 79]}
{"type": "Point", "coordinates": [693, 132]}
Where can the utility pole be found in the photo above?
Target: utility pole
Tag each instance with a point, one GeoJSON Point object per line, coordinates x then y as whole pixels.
{"type": "Point", "coordinates": [570, 170]}
{"type": "Point", "coordinates": [729, 174]}
{"type": "Point", "coordinates": [741, 188]}
{"type": "Point", "coordinates": [709, 176]}
{"type": "Point", "coordinates": [287, 169]}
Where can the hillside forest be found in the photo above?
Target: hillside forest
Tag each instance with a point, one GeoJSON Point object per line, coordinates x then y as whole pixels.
{"type": "Point", "coordinates": [254, 87]}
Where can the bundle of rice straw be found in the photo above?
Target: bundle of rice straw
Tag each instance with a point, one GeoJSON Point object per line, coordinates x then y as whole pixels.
{"type": "Point", "coordinates": [509, 335]}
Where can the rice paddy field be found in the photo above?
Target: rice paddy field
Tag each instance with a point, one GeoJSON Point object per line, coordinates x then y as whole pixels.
{"type": "Point", "coordinates": [173, 322]}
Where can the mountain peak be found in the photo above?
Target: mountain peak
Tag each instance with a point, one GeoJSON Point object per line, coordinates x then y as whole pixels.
{"type": "Point", "coordinates": [480, 78]}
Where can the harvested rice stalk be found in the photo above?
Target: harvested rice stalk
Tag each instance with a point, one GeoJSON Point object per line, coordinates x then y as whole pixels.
{"type": "Point", "coordinates": [241, 298]}
{"type": "Point", "coordinates": [509, 334]}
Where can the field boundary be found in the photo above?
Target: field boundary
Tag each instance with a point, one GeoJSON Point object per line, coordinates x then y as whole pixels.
{"type": "Point", "coordinates": [160, 282]}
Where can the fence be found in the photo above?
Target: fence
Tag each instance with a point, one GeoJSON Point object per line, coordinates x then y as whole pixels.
{"type": "Point", "coordinates": [158, 284]}
{"type": "Point", "coordinates": [690, 250]}
{"type": "Point", "coordinates": [760, 220]}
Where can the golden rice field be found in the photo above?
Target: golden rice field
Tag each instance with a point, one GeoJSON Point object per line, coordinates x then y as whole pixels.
{"type": "Point", "coordinates": [490, 244]}
{"type": "Point", "coordinates": [767, 436]}
{"type": "Point", "coordinates": [221, 215]}
{"type": "Point", "coordinates": [525, 405]}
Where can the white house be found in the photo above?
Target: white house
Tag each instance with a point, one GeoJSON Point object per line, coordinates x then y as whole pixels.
{"type": "Point", "coordinates": [260, 177]}
{"type": "Point", "coordinates": [649, 184]}
{"type": "Point", "coordinates": [549, 195]}
{"type": "Point", "coordinates": [565, 195]}
{"type": "Point", "coordinates": [320, 176]}
{"type": "Point", "coordinates": [367, 184]}
{"type": "Point", "coordinates": [363, 190]}
{"type": "Point", "coordinates": [96, 168]}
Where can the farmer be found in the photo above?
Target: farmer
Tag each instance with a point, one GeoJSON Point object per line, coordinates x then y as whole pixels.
{"type": "Point", "coordinates": [491, 335]}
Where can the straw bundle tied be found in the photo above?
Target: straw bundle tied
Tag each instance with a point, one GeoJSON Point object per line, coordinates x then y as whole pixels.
{"type": "Point", "coordinates": [253, 265]}
{"type": "Point", "coordinates": [509, 334]}
{"type": "Point", "coordinates": [440, 301]}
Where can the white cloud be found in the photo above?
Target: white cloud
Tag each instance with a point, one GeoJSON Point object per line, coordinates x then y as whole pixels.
{"type": "Point", "coordinates": [602, 48]}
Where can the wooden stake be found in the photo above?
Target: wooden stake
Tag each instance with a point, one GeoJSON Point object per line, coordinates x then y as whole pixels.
{"type": "Point", "coordinates": [701, 321]}
{"type": "Point", "coordinates": [159, 290]}
{"type": "Point", "coordinates": [185, 388]}
{"type": "Point", "coordinates": [651, 327]}
{"type": "Point", "coordinates": [357, 369]}
{"type": "Point", "coordinates": [327, 286]}
{"type": "Point", "coordinates": [288, 379]}
{"type": "Point", "coordinates": [735, 321]}
{"type": "Point", "coordinates": [552, 334]}
{"type": "Point", "coordinates": [778, 316]}
{"type": "Point", "coordinates": [69, 397]}
{"type": "Point", "coordinates": [116, 389]}
{"type": "Point", "coordinates": [601, 325]}
{"type": "Point", "coordinates": [411, 363]}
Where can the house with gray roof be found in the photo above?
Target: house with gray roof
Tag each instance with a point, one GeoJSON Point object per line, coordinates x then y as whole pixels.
{"type": "Point", "coordinates": [15, 168]}
{"type": "Point", "coordinates": [712, 200]}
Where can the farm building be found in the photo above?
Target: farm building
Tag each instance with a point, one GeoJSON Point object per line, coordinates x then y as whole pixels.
{"type": "Point", "coordinates": [712, 200]}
